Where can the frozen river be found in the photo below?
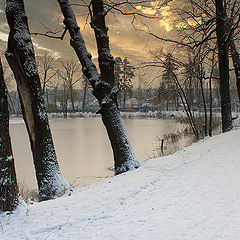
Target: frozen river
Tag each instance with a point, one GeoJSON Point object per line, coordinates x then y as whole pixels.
{"type": "Point", "coordinates": [83, 149]}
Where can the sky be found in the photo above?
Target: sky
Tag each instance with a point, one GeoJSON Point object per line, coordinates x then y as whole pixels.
{"type": "Point", "coordinates": [125, 41]}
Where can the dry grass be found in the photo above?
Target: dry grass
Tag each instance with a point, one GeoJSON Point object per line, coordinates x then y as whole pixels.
{"type": "Point", "coordinates": [27, 193]}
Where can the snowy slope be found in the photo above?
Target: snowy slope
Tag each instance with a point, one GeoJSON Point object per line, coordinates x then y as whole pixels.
{"type": "Point", "coordinates": [192, 194]}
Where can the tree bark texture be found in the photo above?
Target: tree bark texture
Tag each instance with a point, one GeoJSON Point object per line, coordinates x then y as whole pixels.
{"type": "Point", "coordinates": [234, 52]}
{"type": "Point", "coordinates": [20, 56]}
{"type": "Point", "coordinates": [204, 106]}
{"type": "Point", "coordinates": [103, 85]}
{"type": "Point", "coordinates": [72, 98]}
{"type": "Point", "coordinates": [211, 96]}
{"type": "Point", "coordinates": [84, 94]}
{"type": "Point", "coordinates": [210, 108]}
{"type": "Point", "coordinates": [236, 63]}
{"type": "Point", "coordinates": [9, 195]}
{"type": "Point", "coordinates": [187, 108]}
{"type": "Point", "coordinates": [105, 59]}
{"type": "Point", "coordinates": [221, 31]}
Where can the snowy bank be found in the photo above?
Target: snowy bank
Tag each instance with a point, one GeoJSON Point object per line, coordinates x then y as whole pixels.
{"type": "Point", "coordinates": [192, 194]}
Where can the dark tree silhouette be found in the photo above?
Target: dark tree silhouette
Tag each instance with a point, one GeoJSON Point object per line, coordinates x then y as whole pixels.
{"type": "Point", "coordinates": [9, 195]}
{"type": "Point", "coordinates": [102, 84]}
{"type": "Point", "coordinates": [21, 58]}
{"type": "Point", "coordinates": [221, 31]}
{"type": "Point", "coordinates": [124, 72]}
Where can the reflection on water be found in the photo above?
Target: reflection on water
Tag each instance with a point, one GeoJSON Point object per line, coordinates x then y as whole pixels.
{"type": "Point", "coordinates": [83, 149]}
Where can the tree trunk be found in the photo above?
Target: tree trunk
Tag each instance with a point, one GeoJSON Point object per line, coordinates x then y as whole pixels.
{"type": "Point", "coordinates": [103, 85]}
{"type": "Point", "coordinates": [55, 103]}
{"type": "Point", "coordinates": [124, 100]}
{"type": "Point", "coordinates": [72, 99]}
{"type": "Point", "coordinates": [124, 157]}
{"type": "Point", "coordinates": [204, 106]}
{"type": "Point", "coordinates": [177, 105]}
{"type": "Point", "coordinates": [222, 43]}
{"type": "Point", "coordinates": [210, 108]}
{"type": "Point", "coordinates": [236, 63]}
{"type": "Point", "coordinates": [65, 109]}
{"type": "Point", "coordinates": [210, 96]}
{"type": "Point", "coordinates": [20, 56]}
{"type": "Point", "coordinates": [47, 104]}
{"type": "Point", "coordinates": [186, 108]}
{"type": "Point", "coordinates": [105, 59]}
{"type": "Point", "coordinates": [84, 95]}
{"type": "Point", "coordinates": [167, 102]}
{"type": "Point", "coordinates": [234, 52]}
{"type": "Point", "coordinates": [9, 195]}
{"type": "Point", "coordinates": [44, 82]}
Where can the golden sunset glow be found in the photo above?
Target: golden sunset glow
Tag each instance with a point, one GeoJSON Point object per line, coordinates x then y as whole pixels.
{"type": "Point", "coordinates": [167, 20]}
{"type": "Point", "coordinates": [147, 10]}
{"type": "Point", "coordinates": [167, 24]}
{"type": "Point", "coordinates": [164, 13]}
{"type": "Point", "coordinates": [155, 4]}
{"type": "Point", "coordinates": [189, 23]}
{"type": "Point", "coordinates": [125, 40]}
{"type": "Point", "coordinates": [194, 22]}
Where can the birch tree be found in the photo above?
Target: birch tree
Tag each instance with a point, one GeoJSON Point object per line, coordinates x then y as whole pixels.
{"type": "Point", "coordinates": [21, 58]}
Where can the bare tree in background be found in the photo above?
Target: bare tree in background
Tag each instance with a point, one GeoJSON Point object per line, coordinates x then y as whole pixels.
{"type": "Point", "coordinates": [62, 96]}
{"type": "Point", "coordinates": [21, 58]}
{"type": "Point", "coordinates": [160, 62]}
{"type": "Point", "coordinates": [168, 89]}
{"type": "Point", "coordinates": [124, 72]}
{"type": "Point", "coordinates": [70, 76]}
{"type": "Point", "coordinates": [54, 89]}
{"type": "Point", "coordinates": [85, 89]}
{"type": "Point", "coordinates": [198, 24]}
{"type": "Point", "coordinates": [47, 69]}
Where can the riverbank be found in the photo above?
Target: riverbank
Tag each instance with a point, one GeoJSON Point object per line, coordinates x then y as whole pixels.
{"type": "Point", "coordinates": [130, 114]}
{"type": "Point", "coordinates": [138, 115]}
{"type": "Point", "coordinates": [192, 194]}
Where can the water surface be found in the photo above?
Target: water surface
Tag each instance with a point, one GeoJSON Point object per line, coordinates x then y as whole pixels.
{"type": "Point", "coordinates": [83, 149]}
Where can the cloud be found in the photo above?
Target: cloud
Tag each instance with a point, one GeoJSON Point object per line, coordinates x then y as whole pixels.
{"type": "Point", "coordinates": [147, 10]}
{"type": "Point", "coordinates": [132, 44]}
{"type": "Point", "coordinates": [41, 48]}
{"type": "Point", "coordinates": [125, 41]}
{"type": "Point", "coordinates": [3, 37]}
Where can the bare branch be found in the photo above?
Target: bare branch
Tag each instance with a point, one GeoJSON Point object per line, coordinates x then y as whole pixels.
{"type": "Point", "coordinates": [47, 34]}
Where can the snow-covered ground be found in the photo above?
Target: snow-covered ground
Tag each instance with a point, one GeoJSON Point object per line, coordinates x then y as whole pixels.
{"type": "Point", "coordinates": [191, 195]}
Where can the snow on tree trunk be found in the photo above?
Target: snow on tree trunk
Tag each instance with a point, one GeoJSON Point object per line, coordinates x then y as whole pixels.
{"type": "Point", "coordinates": [20, 56]}
{"type": "Point", "coordinates": [236, 63]}
{"type": "Point", "coordinates": [105, 59]}
{"type": "Point", "coordinates": [124, 157]}
{"type": "Point", "coordinates": [9, 195]}
{"type": "Point", "coordinates": [233, 50]}
{"type": "Point", "coordinates": [221, 28]}
{"type": "Point", "coordinates": [103, 85]}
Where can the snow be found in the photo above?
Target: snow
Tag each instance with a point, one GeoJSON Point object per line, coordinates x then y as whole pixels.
{"type": "Point", "coordinates": [192, 194]}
